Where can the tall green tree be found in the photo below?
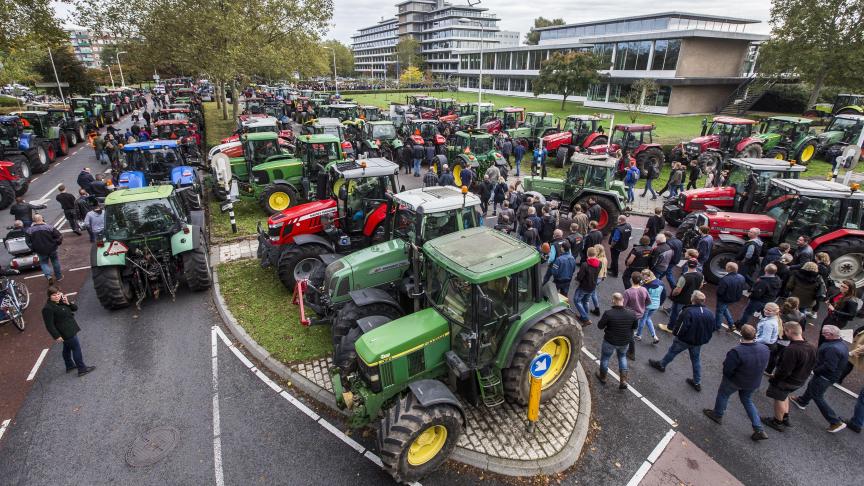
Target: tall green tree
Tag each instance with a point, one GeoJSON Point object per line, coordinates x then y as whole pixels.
{"type": "Point", "coordinates": [408, 53]}
{"type": "Point", "coordinates": [569, 73]}
{"type": "Point", "coordinates": [820, 40]}
{"type": "Point", "coordinates": [533, 37]}
{"type": "Point", "coordinates": [69, 70]}
{"type": "Point", "coordinates": [27, 28]}
{"type": "Point", "coordinates": [344, 58]}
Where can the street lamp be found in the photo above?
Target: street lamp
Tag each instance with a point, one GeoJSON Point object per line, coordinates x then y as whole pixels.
{"type": "Point", "coordinates": [335, 80]}
{"type": "Point", "coordinates": [117, 55]}
{"type": "Point", "coordinates": [467, 21]}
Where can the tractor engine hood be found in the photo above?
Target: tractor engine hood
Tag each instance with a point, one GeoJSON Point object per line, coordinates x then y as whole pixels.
{"type": "Point", "coordinates": [601, 149]}
{"type": "Point", "coordinates": [556, 137]}
{"type": "Point", "coordinates": [737, 224]}
{"type": "Point", "coordinates": [303, 212]}
{"type": "Point", "coordinates": [401, 336]}
{"type": "Point", "coordinates": [376, 265]}
{"type": "Point", "coordinates": [705, 139]}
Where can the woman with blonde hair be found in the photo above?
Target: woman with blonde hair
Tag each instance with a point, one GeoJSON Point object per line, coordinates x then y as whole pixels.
{"type": "Point", "coordinates": [604, 264]}
{"type": "Point", "coordinates": [657, 292]}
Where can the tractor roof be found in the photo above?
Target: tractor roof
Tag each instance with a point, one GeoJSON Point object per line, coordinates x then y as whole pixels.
{"type": "Point", "coordinates": [512, 109]}
{"type": "Point", "coordinates": [731, 120]}
{"type": "Point", "coordinates": [380, 122]}
{"type": "Point", "coordinates": [474, 134]}
{"type": "Point", "coordinates": [81, 98]}
{"type": "Point", "coordinates": [634, 127]}
{"type": "Point", "coordinates": [816, 188]}
{"type": "Point", "coordinates": [162, 123]}
{"type": "Point", "coordinates": [310, 138]}
{"type": "Point", "coordinates": [376, 167]}
{"type": "Point", "coordinates": [448, 100]}
{"type": "Point", "coordinates": [436, 199]}
{"type": "Point", "coordinates": [793, 119]}
{"type": "Point", "coordinates": [370, 107]}
{"type": "Point", "coordinates": [583, 117]}
{"type": "Point", "coordinates": [30, 112]}
{"type": "Point", "coordinates": [766, 164]}
{"type": "Point", "coordinates": [850, 117]}
{"type": "Point", "coordinates": [596, 160]}
{"type": "Point", "coordinates": [151, 145]}
{"type": "Point", "coordinates": [538, 113]}
{"type": "Point", "coordinates": [123, 196]}
{"type": "Point", "coordinates": [343, 105]}
{"type": "Point", "coordinates": [326, 122]}
{"type": "Point", "coordinates": [174, 110]}
{"type": "Point", "coordinates": [424, 120]}
{"type": "Point", "coordinates": [481, 254]}
{"type": "Point", "coordinates": [260, 122]}
{"type": "Point", "coordinates": [490, 105]}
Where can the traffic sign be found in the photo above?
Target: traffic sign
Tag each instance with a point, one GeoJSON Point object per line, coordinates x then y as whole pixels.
{"type": "Point", "coordinates": [540, 365]}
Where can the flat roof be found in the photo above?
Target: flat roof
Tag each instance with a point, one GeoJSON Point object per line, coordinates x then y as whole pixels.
{"type": "Point", "coordinates": [436, 199]}
{"type": "Point", "coordinates": [140, 194]}
{"type": "Point", "coordinates": [481, 254]}
{"type": "Point", "coordinates": [765, 163]}
{"type": "Point", "coordinates": [374, 168]}
{"type": "Point", "coordinates": [671, 13]}
{"type": "Point", "coordinates": [817, 188]}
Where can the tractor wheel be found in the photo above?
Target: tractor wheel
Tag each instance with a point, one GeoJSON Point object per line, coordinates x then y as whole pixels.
{"type": "Point", "coordinates": [721, 254]}
{"type": "Point", "coordinates": [456, 169]}
{"type": "Point", "coordinates": [196, 267]}
{"type": "Point", "coordinates": [652, 155]}
{"type": "Point", "coordinates": [558, 335]}
{"type": "Point", "coordinates": [38, 159]}
{"type": "Point", "coordinates": [847, 111]}
{"type": "Point", "coordinates": [608, 212]}
{"type": "Point", "coordinates": [414, 440]}
{"type": "Point", "coordinates": [676, 155]}
{"type": "Point", "coordinates": [22, 171]}
{"type": "Point", "coordinates": [64, 144]}
{"type": "Point", "coordinates": [116, 113]}
{"type": "Point", "coordinates": [709, 161]}
{"type": "Point", "coordinates": [777, 153]}
{"type": "Point", "coordinates": [82, 133]}
{"type": "Point", "coordinates": [751, 150]}
{"type": "Point", "coordinates": [440, 161]}
{"type": "Point", "coordinates": [298, 262]}
{"type": "Point", "coordinates": [847, 259]}
{"type": "Point", "coordinates": [72, 137]}
{"type": "Point", "coordinates": [346, 318]}
{"type": "Point", "coordinates": [113, 292]}
{"type": "Point", "coordinates": [277, 197]}
{"type": "Point", "coordinates": [7, 194]}
{"type": "Point", "coordinates": [601, 140]}
{"type": "Point", "coordinates": [50, 152]}
{"type": "Point", "coordinates": [806, 154]}
{"type": "Point", "coordinates": [561, 156]}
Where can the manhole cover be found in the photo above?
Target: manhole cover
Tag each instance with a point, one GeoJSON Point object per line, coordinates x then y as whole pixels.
{"type": "Point", "coordinates": [152, 446]}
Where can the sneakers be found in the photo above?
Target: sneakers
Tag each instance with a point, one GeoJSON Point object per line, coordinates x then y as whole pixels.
{"type": "Point", "coordinates": [596, 311]}
{"type": "Point", "coordinates": [71, 369]}
{"type": "Point", "coordinates": [773, 423]}
{"type": "Point", "coordinates": [854, 428]}
{"type": "Point", "coordinates": [585, 322]}
{"type": "Point", "coordinates": [713, 416]}
{"type": "Point", "coordinates": [834, 428]}
{"type": "Point", "coordinates": [86, 370]}
{"type": "Point", "coordinates": [692, 383]}
{"type": "Point", "coordinates": [600, 376]}
{"type": "Point", "coordinates": [794, 401]}
{"type": "Point", "coordinates": [759, 435]}
{"type": "Point", "coordinates": [637, 337]}
{"type": "Point", "coordinates": [656, 340]}
{"type": "Point", "coordinates": [656, 365]}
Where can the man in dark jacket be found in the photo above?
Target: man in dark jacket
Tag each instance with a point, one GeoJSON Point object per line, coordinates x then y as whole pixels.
{"type": "Point", "coordinates": [677, 252]}
{"type": "Point", "coordinates": [796, 362]}
{"type": "Point", "coordinates": [84, 204]}
{"type": "Point", "coordinates": [562, 268]}
{"type": "Point", "coordinates": [619, 240]}
{"type": "Point", "coordinates": [23, 210]}
{"type": "Point", "coordinates": [518, 154]}
{"type": "Point", "coordinates": [661, 256]}
{"type": "Point", "coordinates": [831, 360]}
{"type": "Point", "coordinates": [67, 203]}
{"type": "Point", "coordinates": [618, 325]}
{"type": "Point", "coordinates": [60, 323]}
{"type": "Point", "coordinates": [729, 291]}
{"type": "Point", "coordinates": [748, 257]}
{"type": "Point", "coordinates": [593, 238]}
{"type": "Point", "coordinates": [765, 289]}
{"type": "Point", "coordinates": [417, 153]}
{"type": "Point", "coordinates": [689, 282]}
{"type": "Point", "coordinates": [639, 259]}
{"type": "Point", "coordinates": [704, 246]}
{"type": "Point", "coordinates": [803, 253]}
{"type": "Point", "coordinates": [98, 188]}
{"type": "Point", "coordinates": [692, 330]}
{"type": "Point", "coordinates": [594, 210]}
{"type": "Point", "coordinates": [742, 373]}
{"type": "Point", "coordinates": [655, 224]}
{"type": "Point", "coordinates": [583, 284]}
{"type": "Point", "coordinates": [44, 240]}
{"type": "Point", "coordinates": [85, 178]}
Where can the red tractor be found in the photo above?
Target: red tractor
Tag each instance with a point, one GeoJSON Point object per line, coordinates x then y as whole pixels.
{"type": "Point", "coordinates": [827, 212]}
{"type": "Point", "coordinates": [726, 137]}
{"type": "Point", "coordinates": [352, 212]}
{"type": "Point", "coordinates": [504, 119]}
{"type": "Point", "coordinates": [635, 140]}
{"type": "Point", "coordinates": [745, 192]}
{"type": "Point", "coordinates": [579, 133]}
{"type": "Point", "coordinates": [421, 131]}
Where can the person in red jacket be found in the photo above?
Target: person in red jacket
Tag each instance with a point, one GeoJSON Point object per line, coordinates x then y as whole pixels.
{"type": "Point", "coordinates": [584, 284]}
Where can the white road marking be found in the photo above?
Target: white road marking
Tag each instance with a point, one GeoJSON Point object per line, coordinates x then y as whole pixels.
{"type": "Point", "coordinates": [846, 390]}
{"type": "Point", "coordinates": [652, 458]}
{"type": "Point", "coordinates": [4, 426]}
{"type": "Point", "coordinates": [45, 196]}
{"type": "Point", "coordinates": [33, 276]}
{"type": "Point", "coordinates": [60, 222]}
{"type": "Point", "coordinates": [37, 365]}
{"type": "Point", "coordinates": [79, 268]}
{"type": "Point", "coordinates": [217, 430]}
{"type": "Point", "coordinates": [34, 180]}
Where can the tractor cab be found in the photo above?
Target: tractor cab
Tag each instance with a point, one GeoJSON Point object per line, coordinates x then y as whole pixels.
{"type": "Point", "coordinates": [380, 130]}
{"type": "Point", "coordinates": [317, 152]}
{"type": "Point", "coordinates": [635, 140]}
{"type": "Point", "coordinates": [477, 151]}
{"type": "Point", "coordinates": [252, 106]}
{"type": "Point", "coordinates": [173, 114]}
{"type": "Point", "coordinates": [578, 133]}
{"type": "Point", "coordinates": [328, 126]}
{"type": "Point", "coordinates": [726, 137]}
{"type": "Point", "coordinates": [174, 129]}
{"type": "Point", "coordinates": [86, 109]}
{"type": "Point", "coordinates": [343, 111]}
{"type": "Point", "coordinates": [105, 101]}
{"type": "Point", "coordinates": [446, 106]}
{"type": "Point", "coordinates": [848, 104]}
{"type": "Point", "coordinates": [788, 137]}
{"type": "Point", "coordinates": [840, 132]}
{"type": "Point", "coordinates": [370, 113]}
{"type": "Point", "coordinates": [260, 147]}
{"type": "Point", "coordinates": [422, 131]}
{"type": "Point", "coordinates": [37, 122]}
{"type": "Point", "coordinates": [507, 118]}
{"type": "Point", "coordinates": [155, 162]}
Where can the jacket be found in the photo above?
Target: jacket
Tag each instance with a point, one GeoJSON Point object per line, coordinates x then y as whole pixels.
{"type": "Point", "coordinates": [695, 325]}
{"type": "Point", "coordinates": [844, 311]}
{"type": "Point", "coordinates": [43, 239]}
{"type": "Point", "coordinates": [581, 220]}
{"type": "Point", "coordinates": [661, 258]}
{"type": "Point", "coordinates": [418, 151]}
{"type": "Point", "coordinates": [731, 288]}
{"type": "Point", "coordinates": [692, 281]}
{"type": "Point", "coordinates": [767, 330]}
{"type": "Point", "coordinates": [619, 239]}
{"type": "Point", "coordinates": [562, 269]}
{"type": "Point", "coordinates": [796, 363]}
{"type": "Point", "coordinates": [744, 365]}
{"type": "Point", "coordinates": [83, 205]}
{"type": "Point", "coordinates": [654, 226]}
{"type": "Point", "coordinates": [657, 292]}
{"type": "Point", "coordinates": [641, 257]}
{"type": "Point", "coordinates": [802, 256]}
{"type": "Point", "coordinates": [24, 210]}
{"type": "Point", "coordinates": [704, 247]}
{"type": "Point", "coordinates": [677, 249]}
{"type": "Point", "coordinates": [593, 238]}
{"type": "Point", "coordinates": [637, 299]}
{"type": "Point", "coordinates": [84, 180]}
{"type": "Point", "coordinates": [446, 179]}
{"type": "Point", "coordinates": [766, 288]}
{"type": "Point", "coordinates": [805, 285]}
{"type": "Point", "coordinates": [66, 200]}
{"type": "Point", "coordinates": [831, 360]}
{"type": "Point", "coordinates": [60, 320]}
{"type": "Point", "coordinates": [586, 277]}
{"type": "Point", "coordinates": [594, 212]}
{"type": "Point", "coordinates": [618, 324]}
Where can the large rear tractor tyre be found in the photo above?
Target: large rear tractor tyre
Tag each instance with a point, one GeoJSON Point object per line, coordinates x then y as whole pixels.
{"type": "Point", "coordinates": [49, 150]}
{"type": "Point", "coordinates": [751, 150]}
{"type": "Point", "coordinates": [277, 197]}
{"type": "Point", "coordinates": [806, 153]}
{"type": "Point", "coordinates": [709, 161]}
{"type": "Point", "coordinates": [72, 137]}
{"type": "Point", "coordinates": [847, 259]}
{"type": "Point", "coordinates": [608, 212]}
{"type": "Point", "coordinates": [38, 159]}
{"type": "Point", "coordinates": [561, 156]}
{"type": "Point", "coordinates": [22, 171]}
{"type": "Point", "coordinates": [82, 133]}
{"type": "Point", "coordinates": [721, 254]}
{"type": "Point", "coordinates": [413, 440]}
{"type": "Point", "coordinates": [299, 261]}
{"type": "Point", "coordinates": [63, 144]}
{"type": "Point", "coordinates": [558, 335]}
{"type": "Point", "coordinates": [346, 318]}
{"type": "Point", "coordinates": [651, 155]}
{"type": "Point", "coordinates": [196, 268]}
{"type": "Point", "coordinates": [676, 155]}
{"type": "Point", "coordinates": [113, 292]}
{"type": "Point", "coordinates": [7, 194]}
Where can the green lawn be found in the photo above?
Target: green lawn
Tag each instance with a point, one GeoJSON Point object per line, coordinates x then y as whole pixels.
{"type": "Point", "coordinates": [246, 213]}
{"type": "Point", "coordinates": [263, 307]}
{"type": "Point", "coordinates": [217, 128]}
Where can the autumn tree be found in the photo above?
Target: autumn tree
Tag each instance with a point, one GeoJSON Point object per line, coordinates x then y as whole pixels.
{"type": "Point", "coordinates": [27, 29]}
{"type": "Point", "coordinates": [569, 74]}
{"type": "Point", "coordinates": [411, 75]}
{"type": "Point", "coordinates": [533, 36]}
{"type": "Point", "coordinates": [637, 98]}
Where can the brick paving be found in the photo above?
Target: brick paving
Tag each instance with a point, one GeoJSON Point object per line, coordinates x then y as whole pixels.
{"type": "Point", "coordinates": [236, 250]}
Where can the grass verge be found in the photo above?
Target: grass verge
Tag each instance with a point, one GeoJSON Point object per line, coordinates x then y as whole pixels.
{"type": "Point", "coordinates": [263, 307]}
{"type": "Point", "coordinates": [247, 214]}
{"type": "Point", "coordinates": [217, 128]}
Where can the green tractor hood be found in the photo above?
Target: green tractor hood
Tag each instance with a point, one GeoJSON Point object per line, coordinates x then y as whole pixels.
{"type": "Point", "coordinates": [373, 266]}
{"type": "Point", "coordinates": [402, 336]}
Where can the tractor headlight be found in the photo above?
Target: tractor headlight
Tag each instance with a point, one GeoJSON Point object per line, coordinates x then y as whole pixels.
{"type": "Point", "coordinates": [372, 376]}
{"type": "Point", "coordinates": [693, 148]}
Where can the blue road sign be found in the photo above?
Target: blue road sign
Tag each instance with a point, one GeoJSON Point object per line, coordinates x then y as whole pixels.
{"type": "Point", "coordinates": [540, 365]}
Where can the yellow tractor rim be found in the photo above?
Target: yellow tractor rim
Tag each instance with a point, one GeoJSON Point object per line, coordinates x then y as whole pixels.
{"type": "Point", "coordinates": [779, 156]}
{"type": "Point", "coordinates": [807, 153]}
{"type": "Point", "coordinates": [457, 175]}
{"type": "Point", "coordinates": [427, 445]}
{"type": "Point", "coordinates": [279, 200]}
{"type": "Point", "coordinates": [559, 348]}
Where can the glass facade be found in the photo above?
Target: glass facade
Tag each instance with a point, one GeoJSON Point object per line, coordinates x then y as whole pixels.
{"type": "Point", "coordinates": [632, 56]}
{"type": "Point", "coordinates": [520, 61]}
{"type": "Point", "coordinates": [618, 92]}
{"type": "Point", "coordinates": [502, 60]}
{"type": "Point", "coordinates": [597, 92]}
{"type": "Point", "coordinates": [605, 51]}
{"type": "Point", "coordinates": [666, 54]}
{"type": "Point", "coordinates": [629, 26]}
{"type": "Point", "coordinates": [537, 57]}
{"type": "Point", "coordinates": [661, 97]}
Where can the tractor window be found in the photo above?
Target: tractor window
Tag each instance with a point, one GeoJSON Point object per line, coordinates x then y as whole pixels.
{"type": "Point", "coordinates": [453, 302]}
{"type": "Point", "coordinates": [364, 196]}
{"type": "Point", "coordinates": [428, 130]}
{"type": "Point", "coordinates": [403, 224]}
{"type": "Point", "coordinates": [317, 152]}
{"type": "Point", "coordinates": [439, 224]}
{"type": "Point", "coordinates": [142, 218]}
{"type": "Point", "coordinates": [481, 145]}
{"type": "Point", "coordinates": [386, 132]}
{"type": "Point", "coordinates": [577, 174]}
{"type": "Point", "coordinates": [851, 215]}
{"type": "Point", "coordinates": [812, 217]}
{"type": "Point", "coordinates": [469, 218]}
{"type": "Point", "coordinates": [597, 176]}
{"type": "Point", "coordinates": [524, 290]}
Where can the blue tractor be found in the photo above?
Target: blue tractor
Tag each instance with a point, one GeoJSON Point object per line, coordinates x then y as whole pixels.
{"type": "Point", "coordinates": [160, 162]}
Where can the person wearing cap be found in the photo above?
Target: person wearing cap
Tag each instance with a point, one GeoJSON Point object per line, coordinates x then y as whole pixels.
{"type": "Point", "coordinates": [446, 178]}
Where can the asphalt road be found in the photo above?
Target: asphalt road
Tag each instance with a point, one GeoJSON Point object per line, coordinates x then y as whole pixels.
{"type": "Point", "coordinates": [163, 366]}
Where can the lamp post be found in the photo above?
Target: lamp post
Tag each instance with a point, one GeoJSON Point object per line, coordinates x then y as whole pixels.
{"type": "Point", "coordinates": [335, 80]}
{"type": "Point", "coordinates": [467, 21]}
{"type": "Point", "coordinates": [112, 77]}
{"type": "Point", "coordinates": [117, 55]}
{"type": "Point", "coordinates": [57, 78]}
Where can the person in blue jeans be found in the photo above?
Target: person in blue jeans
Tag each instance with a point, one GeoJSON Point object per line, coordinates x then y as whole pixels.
{"type": "Point", "coordinates": [693, 329]}
{"type": "Point", "coordinates": [631, 177]}
{"type": "Point", "coordinates": [59, 317]}
{"type": "Point", "coordinates": [657, 293]}
{"type": "Point", "coordinates": [417, 152]}
{"type": "Point", "coordinates": [617, 324]}
{"type": "Point", "coordinates": [584, 284]}
{"type": "Point", "coordinates": [44, 240]}
{"type": "Point", "coordinates": [518, 153]}
{"type": "Point", "coordinates": [831, 360]}
{"type": "Point", "coordinates": [742, 373]}
{"type": "Point", "coordinates": [858, 418]}
{"type": "Point", "coordinates": [730, 289]}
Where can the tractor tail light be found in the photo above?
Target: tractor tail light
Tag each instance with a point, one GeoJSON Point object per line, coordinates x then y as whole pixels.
{"type": "Point", "coordinates": [186, 230]}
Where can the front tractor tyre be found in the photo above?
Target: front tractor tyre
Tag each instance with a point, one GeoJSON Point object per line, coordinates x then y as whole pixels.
{"type": "Point", "coordinates": [653, 156]}
{"type": "Point", "coordinates": [196, 268]}
{"type": "Point", "coordinates": [113, 292]}
{"type": "Point", "coordinates": [751, 150]}
{"type": "Point", "coordinates": [346, 318]}
{"type": "Point", "coordinates": [709, 161]}
{"type": "Point", "coordinates": [608, 212]}
{"type": "Point", "coordinates": [721, 254]}
{"type": "Point", "coordinates": [277, 197]}
{"type": "Point", "coordinates": [414, 440]}
{"type": "Point", "coordinates": [777, 153]}
{"type": "Point", "coordinates": [806, 153]}
{"type": "Point", "coordinates": [558, 335]}
{"type": "Point", "coordinates": [562, 155]}
{"type": "Point", "coordinates": [847, 259]}
{"type": "Point", "coordinates": [7, 194]}
{"type": "Point", "coordinates": [38, 159]}
{"type": "Point", "coordinates": [299, 262]}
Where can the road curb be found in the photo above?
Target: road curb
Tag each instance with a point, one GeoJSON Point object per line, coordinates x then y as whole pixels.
{"type": "Point", "coordinates": [568, 455]}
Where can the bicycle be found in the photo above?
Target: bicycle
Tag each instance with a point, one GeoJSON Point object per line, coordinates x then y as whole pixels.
{"type": "Point", "coordinates": [15, 299]}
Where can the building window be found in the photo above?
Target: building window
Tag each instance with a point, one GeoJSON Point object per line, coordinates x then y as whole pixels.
{"type": "Point", "coordinates": [488, 60]}
{"type": "Point", "coordinates": [520, 61]}
{"type": "Point", "coordinates": [529, 87]}
{"type": "Point", "coordinates": [618, 93]}
{"type": "Point", "coordinates": [537, 58]}
{"type": "Point", "coordinates": [605, 52]}
{"type": "Point", "coordinates": [666, 55]}
{"type": "Point", "coordinates": [502, 60]}
{"type": "Point", "coordinates": [661, 97]}
{"type": "Point", "coordinates": [517, 84]}
{"type": "Point", "coordinates": [597, 92]}
{"type": "Point", "coordinates": [632, 56]}
{"type": "Point", "coordinates": [463, 62]}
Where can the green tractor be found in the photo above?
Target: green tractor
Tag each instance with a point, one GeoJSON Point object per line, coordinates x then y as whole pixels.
{"type": "Point", "coordinates": [46, 129]}
{"type": "Point", "coordinates": [381, 139]}
{"type": "Point", "coordinates": [589, 176]}
{"type": "Point", "coordinates": [788, 138]}
{"type": "Point", "coordinates": [87, 109]}
{"type": "Point", "coordinates": [477, 150]}
{"type": "Point", "coordinates": [488, 317]}
{"type": "Point", "coordinates": [108, 107]}
{"type": "Point", "coordinates": [151, 244]}
{"type": "Point", "coordinates": [370, 113]}
{"type": "Point", "coordinates": [840, 132]}
{"type": "Point", "coordinates": [465, 115]}
{"type": "Point", "coordinates": [537, 125]}
{"type": "Point", "coordinates": [844, 104]}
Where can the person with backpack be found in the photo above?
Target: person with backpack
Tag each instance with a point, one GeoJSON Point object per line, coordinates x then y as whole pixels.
{"type": "Point", "coordinates": [651, 174]}
{"type": "Point", "coordinates": [639, 259]}
{"type": "Point", "coordinates": [766, 289]}
{"type": "Point", "coordinates": [619, 240]}
{"type": "Point", "coordinates": [631, 177]}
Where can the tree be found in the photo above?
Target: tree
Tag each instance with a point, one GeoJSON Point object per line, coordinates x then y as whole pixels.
{"type": "Point", "coordinates": [820, 40]}
{"type": "Point", "coordinates": [533, 37]}
{"type": "Point", "coordinates": [27, 28]}
{"type": "Point", "coordinates": [636, 99]}
{"type": "Point", "coordinates": [569, 73]}
{"type": "Point", "coordinates": [69, 70]}
{"type": "Point", "coordinates": [344, 58]}
{"type": "Point", "coordinates": [411, 75]}
{"type": "Point", "coordinates": [408, 53]}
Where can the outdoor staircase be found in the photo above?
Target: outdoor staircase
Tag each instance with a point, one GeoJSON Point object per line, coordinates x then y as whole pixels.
{"type": "Point", "coordinates": [746, 95]}
{"type": "Point", "coordinates": [491, 387]}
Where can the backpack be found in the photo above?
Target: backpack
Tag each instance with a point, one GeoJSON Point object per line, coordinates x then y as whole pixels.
{"type": "Point", "coordinates": [632, 176]}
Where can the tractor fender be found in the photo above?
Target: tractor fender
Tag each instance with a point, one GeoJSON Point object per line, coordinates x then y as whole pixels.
{"type": "Point", "coordinates": [646, 146]}
{"type": "Point", "coordinates": [185, 240]}
{"type": "Point", "coordinates": [289, 184]}
{"type": "Point", "coordinates": [370, 144]}
{"type": "Point", "coordinates": [99, 258]}
{"type": "Point", "coordinates": [131, 179]}
{"type": "Point", "coordinates": [374, 219]}
{"type": "Point", "coordinates": [517, 334]}
{"type": "Point", "coordinates": [364, 297]}
{"type": "Point", "coordinates": [731, 239]}
{"type": "Point", "coordinates": [805, 140]}
{"type": "Point", "coordinates": [434, 392]}
{"type": "Point", "coordinates": [834, 235]}
{"type": "Point", "coordinates": [396, 143]}
{"type": "Point", "coordinates": [312, 239]}
{"type": "Point", "coordinates": [604, 194]}
{"type": "Point", "coordinates": [26, 141]}
{"type": "Point", "coordinates": [591, 137]}
{"type": "Point", "coordinates": [747, 141]}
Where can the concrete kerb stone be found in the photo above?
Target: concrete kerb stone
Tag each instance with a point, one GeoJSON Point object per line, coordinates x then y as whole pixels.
{"type": "Point", "coordinates": [565, 458]}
